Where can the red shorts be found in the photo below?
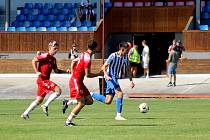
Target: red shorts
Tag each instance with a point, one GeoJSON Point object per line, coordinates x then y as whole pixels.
{"type": "Point", "coordinates": [77, 88]}
{"type": "Point", "coordinates": [45, 86]}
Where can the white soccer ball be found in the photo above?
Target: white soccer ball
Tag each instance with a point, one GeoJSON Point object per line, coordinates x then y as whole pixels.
{"type": "Point", "coordinates": [143, 108]}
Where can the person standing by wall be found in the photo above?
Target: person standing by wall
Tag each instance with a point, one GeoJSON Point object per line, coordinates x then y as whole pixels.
{"type": "Point", "coordinates": [134, 58]}
{"type": "Point", "coordinates": [73, 52]}
{"type": "Point", "coordinates": [145, 58]}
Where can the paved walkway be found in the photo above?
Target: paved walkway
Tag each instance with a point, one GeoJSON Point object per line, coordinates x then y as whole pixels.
{"type": "Point", "coordinates": [23, 86]}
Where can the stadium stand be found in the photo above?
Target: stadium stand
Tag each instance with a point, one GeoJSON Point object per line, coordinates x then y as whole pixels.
{"type": "Point", "coordinates": [55, 15]}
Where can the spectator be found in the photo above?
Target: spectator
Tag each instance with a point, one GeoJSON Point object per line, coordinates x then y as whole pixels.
{"type": "Point", "coordinates": [171, 46]}
{"type": "Point", "coordinates": [172, 65]}
{"type": "Point", "coordinates": [73, 52]}
{"type": "Point", "coordinates": [179, 48]}
{"type": "Point", "coordinates": [145, 58]}
{"type": "Point", "coordinates": [134, 58]}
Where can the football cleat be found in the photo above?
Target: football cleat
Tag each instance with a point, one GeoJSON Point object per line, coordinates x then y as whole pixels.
{"type": "Point", "coordinates": [45, 109]}
{"type": "Point", "coordinates": [65, 105]}
{"type": "Point", "coordinates": [120, 118]}
{"type": "Point", "coordinates": [69, 124]}
{"type": "Point", "coordinates": [25, 117]}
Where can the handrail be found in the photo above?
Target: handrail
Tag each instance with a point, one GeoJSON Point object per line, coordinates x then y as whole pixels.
{"type": "Point", "coordinates": [188, 23]}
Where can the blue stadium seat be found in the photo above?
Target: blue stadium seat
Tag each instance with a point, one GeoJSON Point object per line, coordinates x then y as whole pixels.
{"type": "Point", "coordinates": [207, 8]}
{"type": "Point", "coordinates": [50, 17]}
{"type": "Point", "coordinates": [54, 11]}
{"type": "Point", "coordinates": [83, 28]}
{"type": "Point", "coordinates": [46, 24]}
{"type": "Point", "coordinates": [208, 3]}
{"type": "Point", "coordinates": [65, 11]}
{"type": "Point", "coordinates": [66, 23]}
{"type": "Point", "coordinates": [203, 27]}
{"type": "Point", "coordinates": [24, 11]}
{"type": "Point", "coordinates": [40, 17]}
{"type": "Point", "coordinates": [86, 23]}
{"type": "Point", "coordinates": [58, 6]}
{"type": "Point", "coordinates": [77, 23]}
{"type": "Point", "coordinates": [60, 17]}
{"type": "Point", "coordinates": [69, 17]}
{"type": "Point", "coordinates": [21, 29]}
{"type": "Point", "coordinates": [29, 5]}
{"type": "Point", "coordinates": [44, 12]}
{"type": "Point", "coordinates": [56, 24]}
{"type": "Point", "coordinates": [68, 5]}
{"type": "Point", "coordinates": [205, 15]}
{"type": "Point", "coordinates": [11, 29]}
{"type": "Point", "coordinates": [72, 29]}
{"type": "Point", "coordinates": [30, 17]}
{"type": "Point", "coordinates": [38, 6]}
{"type": "Point", "coordinates": [31, 29]}
{"type": "Point", "coordinates": [62, 29]}
{"type": "Point", "coordinates": [41, 29]}
{"type": "Point", "coordinates": [36, 23]}
{"type": "Point", "coordinates": [51, 29]}
{"type": "Point", "coordinates": [26, 24]}
{"type": "Point", "coordinates": [20, 17]}
{"type": "Point", "coordinates": [15, 23]}
{"type": "Point", "coordinates": [34, 12]}
{"type": "Point", "coordinates": [48, 6]}
{"type": "Point", "coordinates": [107, 4]}
{"type": "Point", "coordinates": [77, 5]}
{"type": "Point", "coordinates": [93, 28]}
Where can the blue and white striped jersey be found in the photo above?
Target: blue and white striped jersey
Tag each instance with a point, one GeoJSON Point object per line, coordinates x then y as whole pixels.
{"type": "Point", "coordinates": [116, 63]}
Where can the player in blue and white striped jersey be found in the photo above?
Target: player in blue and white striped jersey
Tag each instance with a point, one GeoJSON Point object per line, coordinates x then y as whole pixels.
{"type": "Point", "coordinates": [111, 69]}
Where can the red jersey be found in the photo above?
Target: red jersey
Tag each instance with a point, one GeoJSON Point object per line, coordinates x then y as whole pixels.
{"type": "Point", "coordinates": [83, 62]}
{"type": "Point", "coordinates": [46, 64]}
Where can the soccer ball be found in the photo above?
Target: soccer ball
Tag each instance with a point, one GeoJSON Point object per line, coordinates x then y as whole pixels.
{"type": "Point", "coordinates": [143, 108]}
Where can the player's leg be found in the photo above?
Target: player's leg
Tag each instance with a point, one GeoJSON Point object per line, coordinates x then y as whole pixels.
{"type": "Point", "coordinates": [119, 101]}
{"type": "Point", "coordinates": [56, 93]}
{"type": "Point", "coordinates": [174, 84]}
{"type": "Point", "coordinates": [170, 72]}
{"type": "Point", "coordinates": [66, 104]}
{"type": "Point", "coordinates": [32, 106]}
{"type": "Point", "coordinates": [110, 92]}
{"type": "Point", "coordinates": [75, 111]}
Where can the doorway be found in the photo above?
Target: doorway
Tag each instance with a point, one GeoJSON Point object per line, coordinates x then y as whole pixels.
{"type": "Point", "coordinates": [158, 44]}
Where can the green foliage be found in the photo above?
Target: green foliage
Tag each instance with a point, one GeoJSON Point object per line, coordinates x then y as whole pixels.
{"type": "Point", "coordinates": [168, 119]}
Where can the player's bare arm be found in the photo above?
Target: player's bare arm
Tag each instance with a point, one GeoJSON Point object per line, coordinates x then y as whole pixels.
{"type": "Point", "coordinates": [35, 63]}
{"type": "Point", "coordinates": [56, 70]}
{"type": "Point", "coordinates": [92, 75]}
{"type": "Point", "coordinates": [104, 69]}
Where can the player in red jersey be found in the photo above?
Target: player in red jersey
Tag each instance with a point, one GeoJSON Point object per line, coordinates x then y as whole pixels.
{"type": "Point", "coordinates": [80, 67]}
{"type": "Point", "coordinates": [43, 65]}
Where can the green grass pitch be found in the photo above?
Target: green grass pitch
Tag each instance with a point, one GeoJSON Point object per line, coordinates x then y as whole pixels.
{"type": "Point", "coordinates": [168, 119]}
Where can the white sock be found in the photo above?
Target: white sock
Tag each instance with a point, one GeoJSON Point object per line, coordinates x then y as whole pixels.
{"type": "Point", "coordinates": [71, 116]}
{"type": "Point", "coordinates": [72, 102]}
{"type": "Point", "coordinates": [31, 107]}
{"type": "Point", "coordinates": [118, 114]}
{"type": "Point", "coordinates": [52, 97]}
